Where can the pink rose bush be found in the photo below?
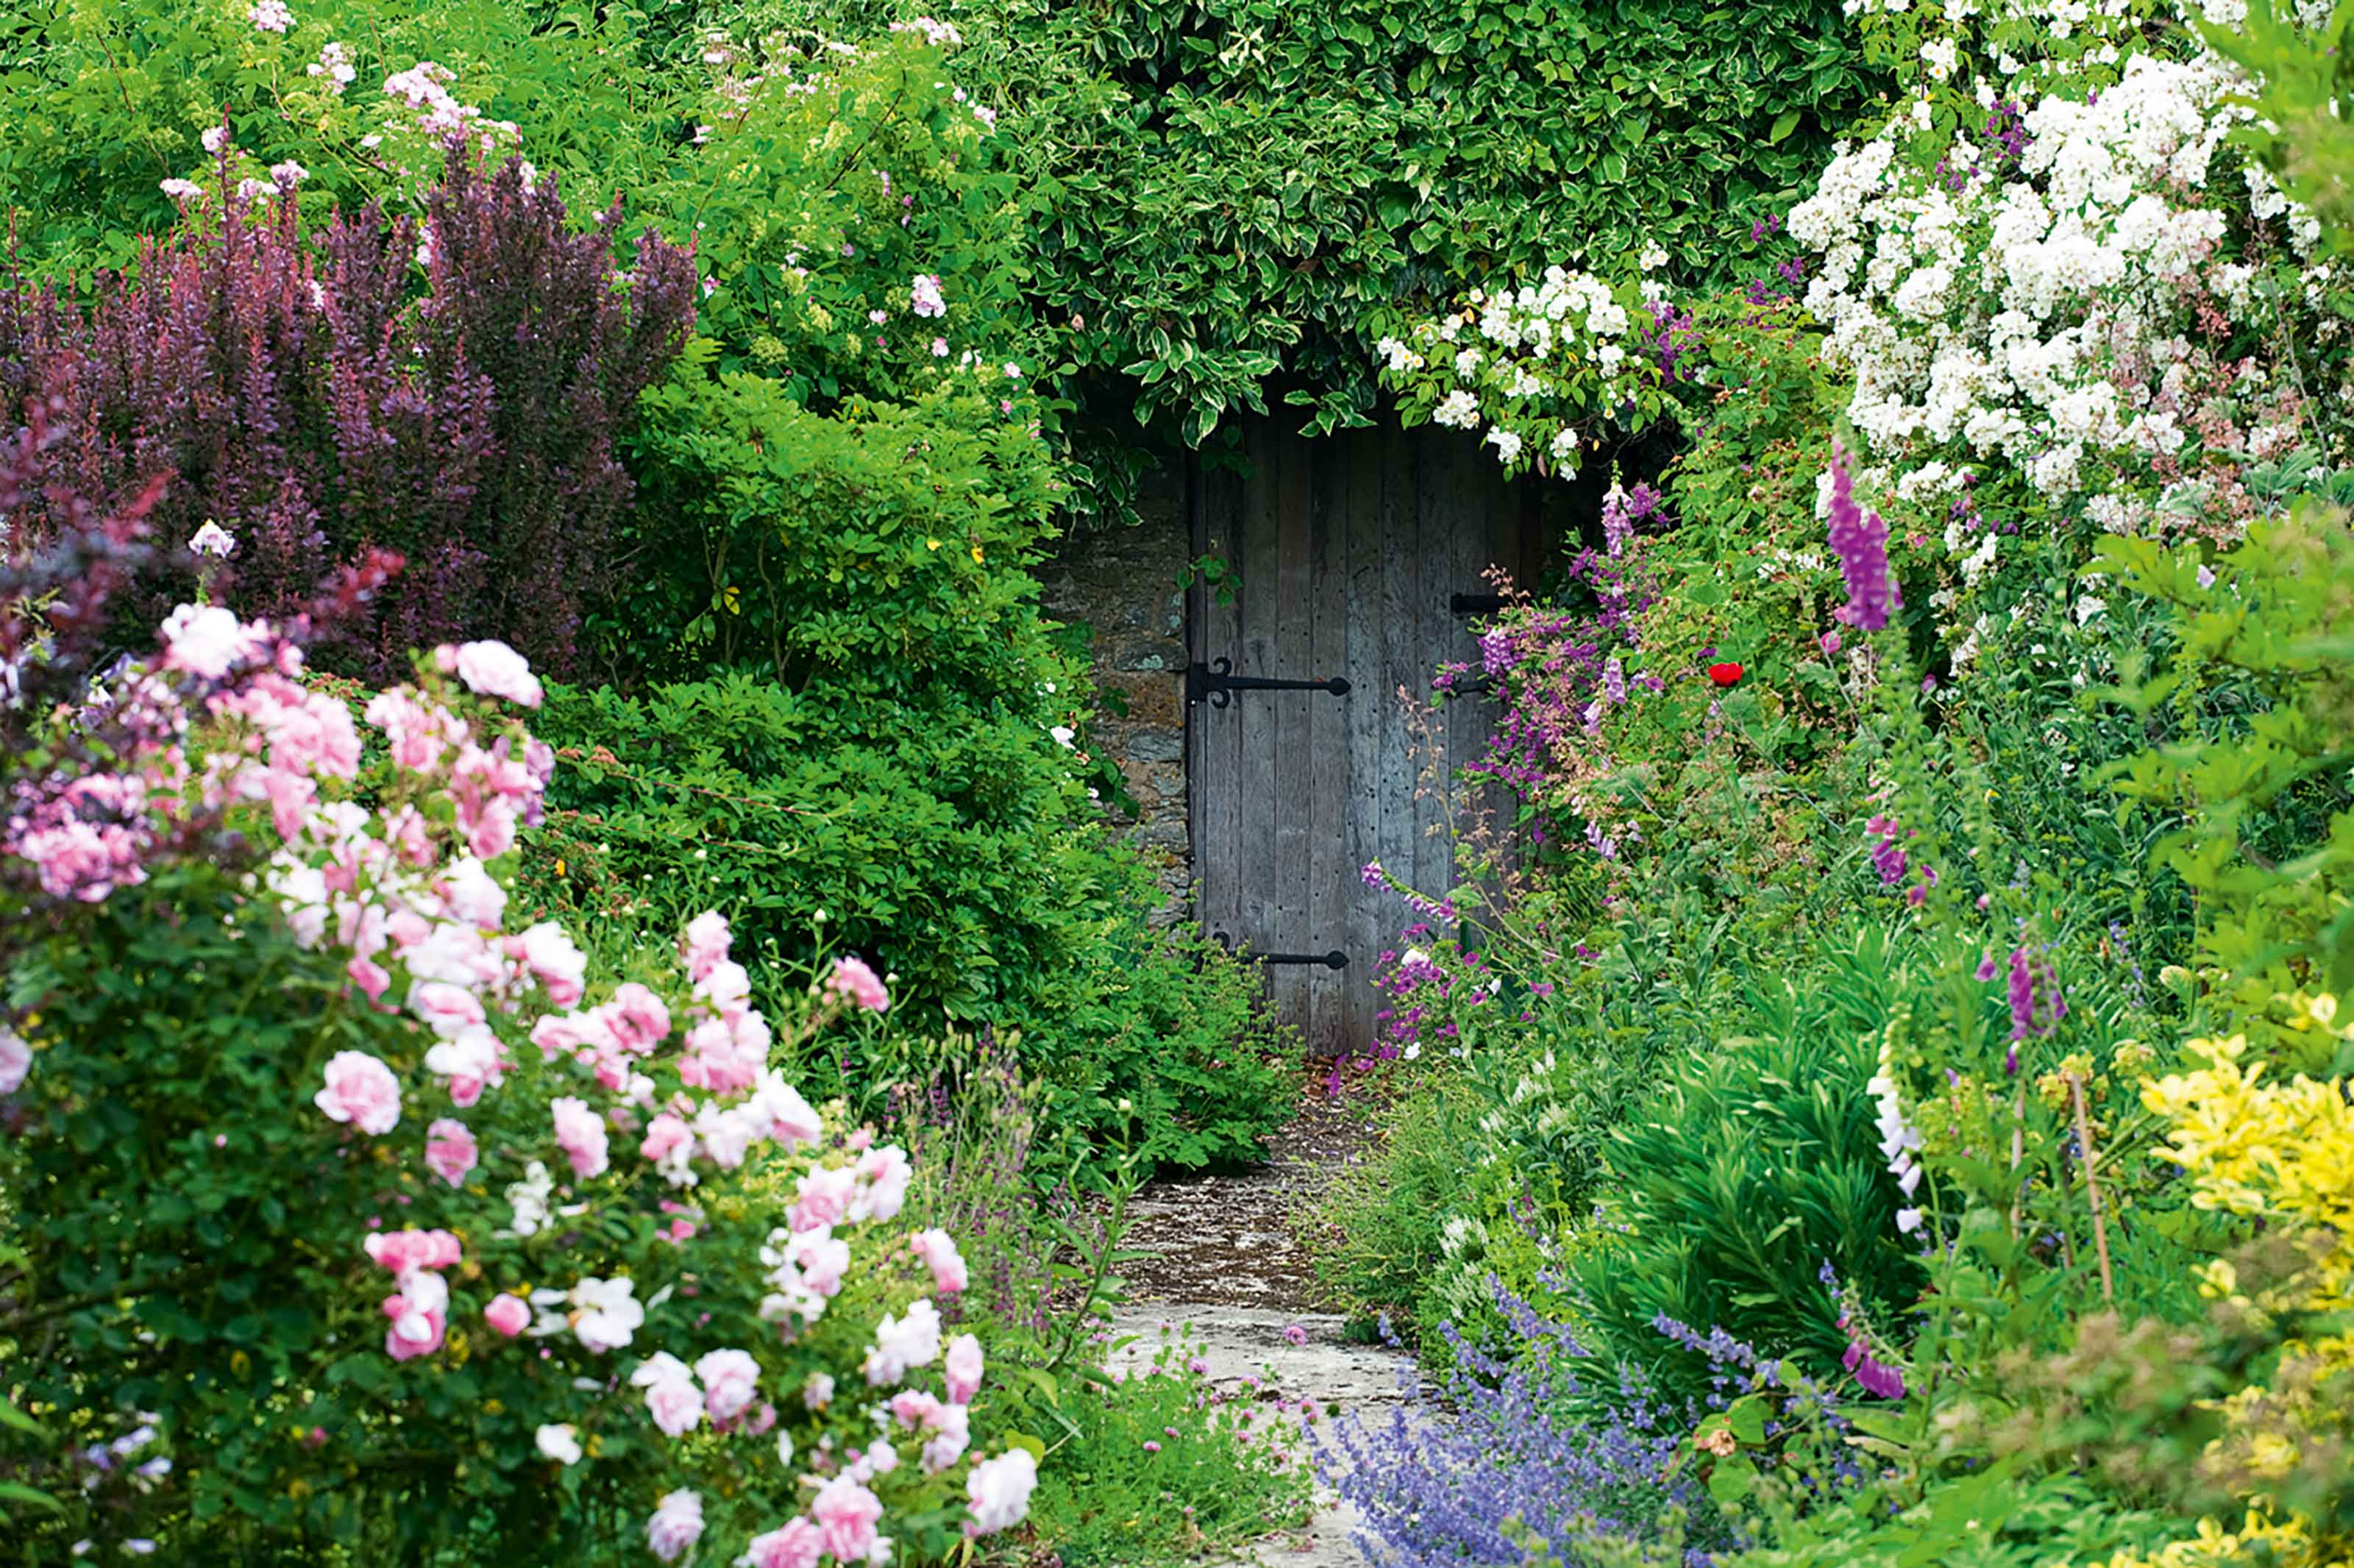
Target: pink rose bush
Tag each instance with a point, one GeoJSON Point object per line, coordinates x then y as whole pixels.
{"type": "Point", "coordinates": [655, 1260]}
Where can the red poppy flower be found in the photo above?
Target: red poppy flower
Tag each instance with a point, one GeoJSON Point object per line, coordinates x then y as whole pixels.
{"type": "Point", "coordinates": [1724, 674]}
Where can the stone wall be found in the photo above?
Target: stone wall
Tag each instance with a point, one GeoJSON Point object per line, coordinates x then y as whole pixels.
{"type": "Point", "coordinates": [1126, 584]}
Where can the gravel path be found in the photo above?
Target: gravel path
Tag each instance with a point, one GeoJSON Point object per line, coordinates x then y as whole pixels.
{"type": "Point", "coordinates": [1226, 1259]}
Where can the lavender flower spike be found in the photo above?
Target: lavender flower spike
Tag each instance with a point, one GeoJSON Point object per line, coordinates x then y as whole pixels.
{"type": "Point", "coordinates": [1861, 541]}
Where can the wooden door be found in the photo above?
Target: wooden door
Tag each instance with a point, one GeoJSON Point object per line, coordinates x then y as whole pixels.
{"type": "Point", "coordinates": [1351, 550]}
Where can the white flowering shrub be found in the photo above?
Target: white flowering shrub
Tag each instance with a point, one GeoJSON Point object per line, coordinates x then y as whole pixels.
{"type": "Point", "coordinates": [2081, 312]}
{"type": "Point", "coordinates": [1536, 368]}
{"type": "Point", "coordinates": [398, 1226]}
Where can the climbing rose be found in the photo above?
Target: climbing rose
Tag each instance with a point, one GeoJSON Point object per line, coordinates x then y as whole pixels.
{"type": "Point", "coordinates": [904, 1343]}
{"type": "Point", "coordinates": [998, 1491]}
{"type": "Point", "coordinates": [853, 981]}
{"type": "Point", "coordinates": [207, 640]}
{"type": "Point", "coordinates": [495, 670]}
{"type": "Point", "coordinates": [797, 1545]}
{"type": "Point", "coordinates": [15, 1060]}
{"type": "Point", "coordinates": [609, 1313]}
{"type": "Point", "coordinates": [558, 1442]}
{"type": "Point", "coordinates": [360, 1090]}
{"type": "Point", "coordinates": [924, 296]}
{"type": "Point", "coordinates": [963, 1368]}
{"type": "Point", "coordinates": [704, 944]}
{"type": "Point", "coordinates": [846, 1512]}
{"type": "Point", "coordinates": [937, 1248]}
{"type": "Point", "coordinates": [581, 1131]}
{"type": "Point", "coordinates": [672, 1397]}
{"type": "Point", "coordinates": [507, 1314]}
{"type": "Point", "coordinates": [450, 1151]}
{"type": "Point", "coordinates": [676, 1525]}
{"type": "Point", "coordinates": [731, 1380]}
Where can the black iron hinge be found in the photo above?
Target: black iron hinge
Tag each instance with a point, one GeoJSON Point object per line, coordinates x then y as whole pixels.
{"type": "Point", "coordinates": [1216, 683]}
{"type": "Point", "coordinates": [1335, 960]}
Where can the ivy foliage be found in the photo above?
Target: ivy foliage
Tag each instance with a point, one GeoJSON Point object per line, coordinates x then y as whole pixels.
{"type": "Point", "coordinates": [1239, 192]}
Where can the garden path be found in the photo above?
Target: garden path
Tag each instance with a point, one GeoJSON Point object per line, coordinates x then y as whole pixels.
{"type": "Point", "coordinates": [1226, 1258]}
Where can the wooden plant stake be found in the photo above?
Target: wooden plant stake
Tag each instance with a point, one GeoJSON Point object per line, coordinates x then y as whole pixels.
{"type": "Point", "coordinates": [2093, 1187]}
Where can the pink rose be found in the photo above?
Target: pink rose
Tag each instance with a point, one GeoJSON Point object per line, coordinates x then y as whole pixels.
{"type": "Point", "coordinates": [883, 1174]}
{"type": "Point", "coordinates": [408, 1251]}
{"type": "Point", "coordinates": [791, 1120]}
{"type": "Point", "coordinates": [664, 1135]}
{"type": "Point", "coordinates": [508, 1314]}
{"type": "Point", "coordinates": [823, 1259]}
{"type": "Point", "coordinates": [704, 946]}
{"type": "Point", "coordinates": [856, 983]}
{"type": "Point", "coordinates": [998, 1491]}
{"type": "Point", "coordinates": [445, 1008]}
{"type": "Point", "coordinates": [826, 1196]}
{"type": "Point", "coordinates": [676, 1525]}
{"type": "Point", "coordinates": [361, 1091]}
{"type": "Point", "coordinates": [951, 1435]}
{"type": "Point", "coordinates": [495, 670]}
{"type": "Point", "coordinates": [672, 1397]}
{"type": "Point", "coordinates": [846, 1513]}
{"type": "Point", "coordinates": [963, 1368]}
{"type": "Point", "coordinates": [207, 641]}
{"type": "Point", "coordinates": [936, 1248]}
{"type": "Point", "coordinates": [413, 1333]}
{"type": "Point", "coordinates": [15, 1060]}
{"type": "Point", "coordinates": [585, 1034]}
{"type": "Point", "coordinates": [904, 1343]}
{"type": "Point", "coordinates": [731, 1380]}
{"type": "Point", "coordinates": [369, 975]}
{"type": "Point", "coordinates": [581, 1132]}
{"type": "Point", "coordinates": [450, 1151]}
{"type": "Point", "coordinates": [677, 1408]}
{"type": "Point", "coordinates": [798, 1545]}
{"type": "Point", "coordinates": [637, 1017]}
{"type": "Point", "coordinates": [469, 893]}
{"type": "Point", "coordinates": [913, 1408]}
{"type": "Point", "coordinates": [470, 1059]}
{"type": "Point", "coordinates": [553, 962]}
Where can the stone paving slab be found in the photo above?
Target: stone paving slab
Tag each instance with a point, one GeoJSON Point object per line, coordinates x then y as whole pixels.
{"type": "Point", "coordinates": [1223, 1255]}
{"type": "Point", "coordinates": [1241, 1343]}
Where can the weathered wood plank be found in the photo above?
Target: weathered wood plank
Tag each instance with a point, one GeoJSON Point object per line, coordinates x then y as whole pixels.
{"type": "Point", "coordinates": [1369, 476]}
{"type": "Point", "coordinates": [1290, 802]}
{"type": "Point", "coordinates": [1330, 799]}
{"type": "Point", "coordinates": [1254, 778]}
{"type": "Point", "coordinates": [1445, 503]}
{"type": "Point", "coordinates": [1467, 717]}
{"type": "Point", "coordinates": [1401, 657]}
{"type": "Point", "coordinates": [1213, 761]}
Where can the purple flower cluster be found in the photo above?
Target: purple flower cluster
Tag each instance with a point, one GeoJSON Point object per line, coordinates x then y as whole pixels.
{"type": "Point", "coordinates": [1860, 540]}
{"type": "Point", "coordinates": [1414, 984]}
{"type": "Point", "coordinates": [2036, 1004]}
{"type": "Point", "coordinates": [1508, 1450]}
{"type": "Point", "coordinates": [1621, 510]}
{"type": "Point", "coordinates": [1673, 335]}
{"type": "Point", "coordinates": [1874, 1377]}
{"type": "Point", "coordinates": [293, 387]}
{"type": "Point", "coordinates": [1891, 861]}
{"type": "Point", "coordinates": [1553, 669]}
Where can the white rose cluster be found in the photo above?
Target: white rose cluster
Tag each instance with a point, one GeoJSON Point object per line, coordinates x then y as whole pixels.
{"type": "Point", "coordinates": [2030, 314]}
{"type": "Point", "coordinates": [1513, 359]}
